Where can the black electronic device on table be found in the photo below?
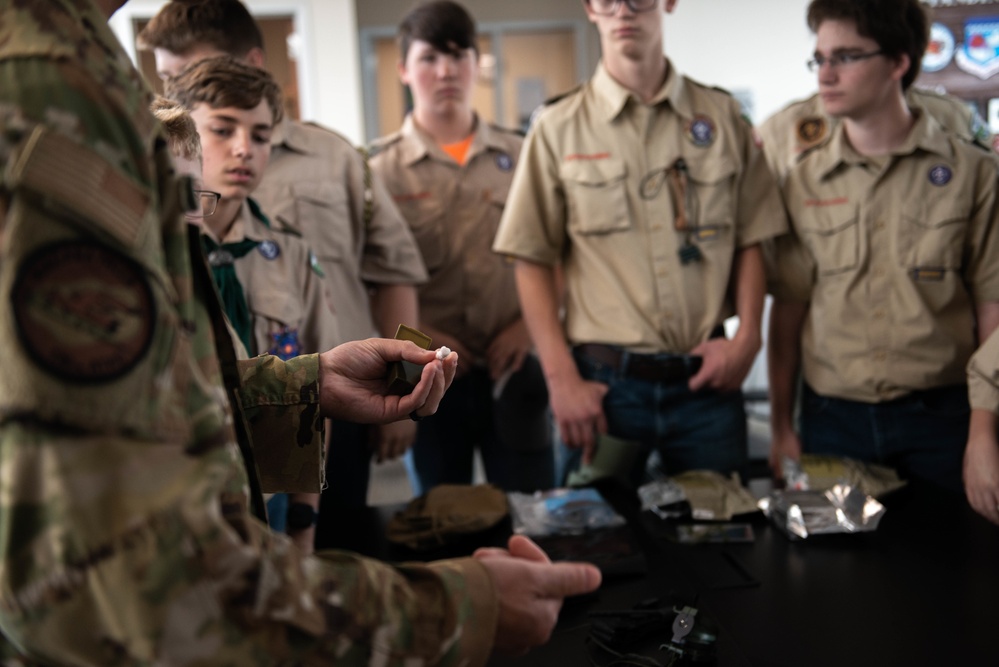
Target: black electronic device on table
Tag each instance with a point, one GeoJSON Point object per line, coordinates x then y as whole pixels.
{"type": "Point", "coordinates": [657, 633]}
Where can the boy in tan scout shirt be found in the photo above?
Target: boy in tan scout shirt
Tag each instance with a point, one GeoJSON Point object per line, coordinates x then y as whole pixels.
{"type": "Point", "coordinates": [449, 173]}
{"type": "Point", "coordinates": [890, 277]}
{"type": "Point", "coordinates": [803, 124]}
{"type": "Point", "coordinates": [269, 280]}
{"type": "Point", "coordinates": [647, 188]}
{"type": "Point", "coordinates": [319, 185]}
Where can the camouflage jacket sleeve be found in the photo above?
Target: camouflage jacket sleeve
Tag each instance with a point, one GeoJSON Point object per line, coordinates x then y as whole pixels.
{"type": "Point", "coordinates": [280, 401]}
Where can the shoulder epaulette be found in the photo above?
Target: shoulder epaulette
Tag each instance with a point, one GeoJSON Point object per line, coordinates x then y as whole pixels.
{"type": "Point", "coordinates": [506, 130]}
{"type": "Point", "coordinates": [380, 144]}
{"type": "Point", "coordinates": [561, 96]}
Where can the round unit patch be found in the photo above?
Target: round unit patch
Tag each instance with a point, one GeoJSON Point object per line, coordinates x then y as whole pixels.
{"type": "Point", "coordinates": [504, 162]}
{"type": "Point", "coordinates": [83, 312]}
{"type": "Point", "coordinates": [269, 249]}
{"type": "Point", "coordinates": [811, 130]}
{"type": "Point", "coordinates": [701, 131]}
{"type": "Point", "coordinates": [940, 174]}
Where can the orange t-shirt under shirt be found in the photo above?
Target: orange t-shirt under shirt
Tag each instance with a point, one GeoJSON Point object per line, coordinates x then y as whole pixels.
{"type": "Point", "coordinates": [459, 150]}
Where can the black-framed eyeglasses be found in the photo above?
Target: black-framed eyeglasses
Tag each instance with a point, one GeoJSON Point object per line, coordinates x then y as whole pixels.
{"type": "Point", "coordinates": [207, 201]}
{"type": "Point", "coordinates": [840, 59]}
{"type": "Point", "coordinates": [610, 7]}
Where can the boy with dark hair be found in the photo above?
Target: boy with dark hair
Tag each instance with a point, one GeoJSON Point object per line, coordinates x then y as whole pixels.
{"type": "Point", "coordinates": [449, 172]}
{"type": "Point", "coordinates": [319, 185]}
{"type": "Point", "coordinates": [889, 278]}
{"type": "Point", "coordinates": [268, 278]}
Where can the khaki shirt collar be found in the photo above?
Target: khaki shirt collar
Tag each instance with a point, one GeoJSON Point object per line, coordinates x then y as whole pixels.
{"type": "Point", "coordinates": [288, 134]}
{"type": "Point", "coordinates": [614, 97]}
{"type": "Point", "coordinates": [416, 144]}
{"type": "Point", "coordinates": [246, 227]}
{"type": "Point", "coordinates": [926, 136]}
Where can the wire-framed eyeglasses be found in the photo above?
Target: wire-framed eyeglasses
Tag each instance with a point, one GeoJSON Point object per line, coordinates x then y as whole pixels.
{"type": "Point", "coordinates": [610, 7]}
{"type": "Point", "coordinates": [205, 203]}
{"type": "Point", "coordinates": [840, 59]}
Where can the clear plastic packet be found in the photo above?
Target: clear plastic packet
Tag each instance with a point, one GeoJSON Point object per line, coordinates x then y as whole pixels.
{"type": "Point", "coordinates": [561, 512]}
{"type": "Point", "coordinates": [841, 509]}
{"type": "Point", "coordinates": [660, 492]}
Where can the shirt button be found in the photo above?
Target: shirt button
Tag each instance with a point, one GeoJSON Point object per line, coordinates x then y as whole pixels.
{"type": "Point", "coordinates": [879, 314]}
{"type": "Point", "coordinates": [880, 356]}
{"type": "Point", "coordinates": [878, 272]}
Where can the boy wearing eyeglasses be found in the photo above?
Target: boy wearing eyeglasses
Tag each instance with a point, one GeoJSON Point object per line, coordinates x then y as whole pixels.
{"type": "Point", "coordinates": [269, 280]}
{"type": "Point", "coordinates": [889, 278]}
{"type": "Point", "coordinates": [646, 188]}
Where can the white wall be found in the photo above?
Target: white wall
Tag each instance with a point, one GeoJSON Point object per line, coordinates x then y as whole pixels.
{"type": "Point", "coordinates": [329, 64]}
{"type": "Point", "coordinates": [760, 45]}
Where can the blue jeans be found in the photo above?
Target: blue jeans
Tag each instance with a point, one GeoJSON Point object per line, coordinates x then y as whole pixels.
{"type": "Point", "coordinates": [513, 433]}
{"type": "Point", "coordinates": [920, 435]}
{"type": "Point", "coordinates": [705, 430]}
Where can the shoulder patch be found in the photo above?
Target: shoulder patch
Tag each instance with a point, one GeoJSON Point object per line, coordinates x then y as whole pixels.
{"type": "Point", "coordinates": [83, 312]}
{"type": "Point", "coordinates": [810, 131]}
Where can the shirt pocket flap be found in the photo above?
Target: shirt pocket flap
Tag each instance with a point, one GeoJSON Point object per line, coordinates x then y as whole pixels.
{"type": "Point", "coordinates": [596, 195]}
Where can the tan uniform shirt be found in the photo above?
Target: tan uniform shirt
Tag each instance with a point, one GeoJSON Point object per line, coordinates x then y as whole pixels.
{"type": "Point", "coordinates": [893, 259]}
{"type": "Point", "coordinates": [983, 375]}
{"type": "Point", "coordinates": [315, 183]}
{"type": "Point", "coordinates": [803, 124]}
{"type": "Point", "coordinates": [454, 211]}
{"type": "Point", "coordinates": [594, 191]}
{"type": "Point", "coordinates": [290, 309]}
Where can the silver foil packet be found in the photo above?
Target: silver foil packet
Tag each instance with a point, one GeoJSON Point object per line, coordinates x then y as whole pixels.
{"type": "Point", "coordinates": [840, 509]}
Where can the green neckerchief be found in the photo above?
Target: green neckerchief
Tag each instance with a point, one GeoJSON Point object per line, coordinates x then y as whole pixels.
{"type": "Point", "coordinates": [222, 258]}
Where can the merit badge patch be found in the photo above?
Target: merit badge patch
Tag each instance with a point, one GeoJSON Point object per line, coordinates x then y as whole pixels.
{"type": "Point", "coordinates": [285, 344]}
{"type": "Point", "coordinates": [504, 162]}
{"type": "Point", "coordinates": [83, 312]}
{"type": "Point", "coordinates": [701, 131]}
{"type": "Point", "coordinates": [269, 249]}
{"type": "Point", "coordinates": [811, 131]}
{"type": "Point", "coordinates": [940, 175]}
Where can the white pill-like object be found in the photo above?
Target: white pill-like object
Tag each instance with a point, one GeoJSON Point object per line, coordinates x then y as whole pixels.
{"type": "Point", "coordinates": [443, 351]}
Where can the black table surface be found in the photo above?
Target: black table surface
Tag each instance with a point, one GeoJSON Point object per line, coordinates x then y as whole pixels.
{"type": "Point", "coordinates": [921, 590]}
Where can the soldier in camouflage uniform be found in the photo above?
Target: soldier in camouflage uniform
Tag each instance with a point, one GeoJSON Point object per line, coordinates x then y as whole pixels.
{"type": "Point", "coordinates": [131, 526]}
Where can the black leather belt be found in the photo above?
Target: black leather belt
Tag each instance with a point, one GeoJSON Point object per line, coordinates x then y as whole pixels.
{"type": "Point", "coordinates": [670, 368]}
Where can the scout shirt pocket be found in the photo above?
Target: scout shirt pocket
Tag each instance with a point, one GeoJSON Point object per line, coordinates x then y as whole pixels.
{"type": "Point", "coordinates": [931, 237]}
{"type": "Point", "coordinates": [710, 204]}
{"type": "Point", "coordinates": [832, 236]}
{"type": "Point", "coordinates": [319, 212]}
{"type": "Point", "coordinates": [595, 191]}
{"type": "Point", "coordinates": [277, 321]}
{"type": "Point", "coordinates": [424, 213]}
